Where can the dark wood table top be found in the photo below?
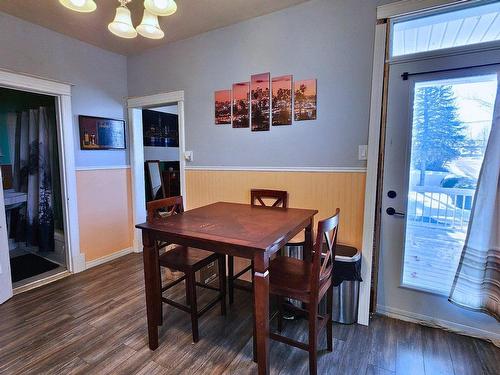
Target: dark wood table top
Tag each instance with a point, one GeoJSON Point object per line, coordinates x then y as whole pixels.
{"type": "Point", "coordinates": [242, 225]}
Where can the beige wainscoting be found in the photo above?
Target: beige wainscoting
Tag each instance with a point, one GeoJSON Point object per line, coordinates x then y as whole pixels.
{"type": "Point", "coordinates": [323, 191]}
{"type": "Point", "coordinates": [104, 212]}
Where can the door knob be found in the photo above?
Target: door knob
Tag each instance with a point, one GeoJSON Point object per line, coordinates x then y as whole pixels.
{"type": "Point", "coordinates": [392, 212]}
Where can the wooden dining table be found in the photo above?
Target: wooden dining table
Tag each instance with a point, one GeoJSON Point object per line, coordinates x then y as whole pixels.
{"type": "Point", "coordinates": [240, 230]}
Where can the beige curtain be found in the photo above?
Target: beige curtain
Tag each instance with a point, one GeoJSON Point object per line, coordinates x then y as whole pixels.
{"type": "Point", "coordinates": [477, 281]}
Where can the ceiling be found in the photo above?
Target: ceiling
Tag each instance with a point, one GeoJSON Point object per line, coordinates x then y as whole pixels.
{"type": "Point", "coordinates": [192, 17]}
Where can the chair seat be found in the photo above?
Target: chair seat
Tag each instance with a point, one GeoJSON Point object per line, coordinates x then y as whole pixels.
{"type": "Point", "coordinates": [289, 277]}
{"type": "Point", "coordinates": [183, 258]}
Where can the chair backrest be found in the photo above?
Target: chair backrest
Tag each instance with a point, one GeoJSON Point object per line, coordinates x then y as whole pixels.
{"type": "Point", "coordinates": [279, 198]}
{"type": "Point", "coordinates": [162, 208]}
{"type": "Point", "coordinates": [324, 250]}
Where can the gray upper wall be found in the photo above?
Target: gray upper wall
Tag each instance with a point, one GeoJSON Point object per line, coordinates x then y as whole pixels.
{"type": "Point", "coordinates": [99, 77]}
{"type": "Point", "coordinates": [331, 40]}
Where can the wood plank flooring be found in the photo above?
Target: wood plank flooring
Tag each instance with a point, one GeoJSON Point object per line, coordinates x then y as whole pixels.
{"type": "Point", "coordinates": [94, 323]}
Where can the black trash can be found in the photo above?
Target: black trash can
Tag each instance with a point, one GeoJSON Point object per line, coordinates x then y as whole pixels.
{"type": "Point", "coordinates": [346, 279]}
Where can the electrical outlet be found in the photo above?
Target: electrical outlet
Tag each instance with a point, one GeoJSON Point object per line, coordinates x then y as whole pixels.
{"type": "Point", "coordinates": [363, 152]}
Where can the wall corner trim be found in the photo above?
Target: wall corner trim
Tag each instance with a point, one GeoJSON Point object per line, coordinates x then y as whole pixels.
{"type": "Point", "coordinates": [108, 258]}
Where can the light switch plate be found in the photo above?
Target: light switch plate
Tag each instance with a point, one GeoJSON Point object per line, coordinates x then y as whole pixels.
{"type": "Point", "coordinates": [363, 152]}
{"type": "Point", "coordinates": [188, 155]}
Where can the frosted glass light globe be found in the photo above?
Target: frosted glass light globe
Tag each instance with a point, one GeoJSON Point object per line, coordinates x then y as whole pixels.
{"type": "Point", "coordinates": [161, 8]}
{"type": "Point", "coordinates": [122, 24]}
{"type": "Point", "coordinates": [149, 27]}
{"type": "Point", "coordinates": [85, 6]}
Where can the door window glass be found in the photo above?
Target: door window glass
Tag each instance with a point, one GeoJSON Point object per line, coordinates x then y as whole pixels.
{"type": "Point", "coordinates": [450, 128]}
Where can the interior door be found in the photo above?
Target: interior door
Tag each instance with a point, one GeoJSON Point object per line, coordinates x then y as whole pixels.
{"type": "Point", "coordinates": [438, 122]}
{"type": "Point", "coordinates": [5, 279]}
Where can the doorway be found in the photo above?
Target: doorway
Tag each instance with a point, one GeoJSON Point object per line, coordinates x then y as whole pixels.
{"type": "Point", "coordinates": [29, 158]}
{"type": "Point", "coordinates": [75, 261]}
{"type": "Point", "coordinates": [168, 165]}
{"type": "Point", "coordinates": [439, 116]}
{"type": "Point", "coordinates": [161, 152]}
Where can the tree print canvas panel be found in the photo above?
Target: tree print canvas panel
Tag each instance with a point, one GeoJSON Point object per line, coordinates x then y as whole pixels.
{"type": "Point", "coordinates": [241, 105]}
{"type": "Point", "coordinates": [223, 107]}
{"type": "Point", "coordinates": [282, 100]}
{"type": "Point", "coordinates": [305, 100]}
{"type": "Point", "coordinates": [260, 94]}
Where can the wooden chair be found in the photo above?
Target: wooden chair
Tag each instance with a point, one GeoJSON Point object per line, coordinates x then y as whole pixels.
{"type": "Point", "coordinates": [308, 282]}
{"type": "Point", "coordinates": [187, 260]}
{"type": "Point", "coordinates": [258, 197]}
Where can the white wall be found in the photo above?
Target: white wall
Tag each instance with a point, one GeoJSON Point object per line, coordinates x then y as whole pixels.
{"type": "Point", "coordinates": [99, 76]}
{"type": "Point", "coordinates": [331, 40]}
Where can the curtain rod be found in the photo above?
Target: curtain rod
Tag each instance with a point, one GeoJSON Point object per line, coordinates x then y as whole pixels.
{"type": "Point", "coordinates": [405, 75]}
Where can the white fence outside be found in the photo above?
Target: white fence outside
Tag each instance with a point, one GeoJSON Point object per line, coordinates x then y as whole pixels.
{"type": "Point", "coordinates": [440, 207]}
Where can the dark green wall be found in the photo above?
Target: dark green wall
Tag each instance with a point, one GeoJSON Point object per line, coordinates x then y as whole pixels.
{"type": "Point", "coordinates": [13, 101]}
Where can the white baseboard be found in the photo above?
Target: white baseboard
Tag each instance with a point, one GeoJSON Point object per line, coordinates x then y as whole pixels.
{"type": "Point", "coordinates": [438, 323]}
{"type": "Point", "coordinates": [110, 257]}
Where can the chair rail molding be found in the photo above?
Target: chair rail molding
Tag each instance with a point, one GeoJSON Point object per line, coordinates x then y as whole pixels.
{"type": "Point", "coordinates": [277, 169]}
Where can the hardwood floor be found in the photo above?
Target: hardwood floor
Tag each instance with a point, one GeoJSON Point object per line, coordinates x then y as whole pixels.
{"type": "Point", "coordinates": [95, 323]}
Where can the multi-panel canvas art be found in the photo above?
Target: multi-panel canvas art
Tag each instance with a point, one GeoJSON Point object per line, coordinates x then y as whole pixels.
{"type": "Point", "coordinates": [260, 102]}
{"type": "Point", "coordinates": [223, 107]}
{"type": "Point", "coordinates": [282, 100]}
{"type": "Point", "coordinates": [305, 100]}
{"type": "Point", "coordinates": [241, 105]}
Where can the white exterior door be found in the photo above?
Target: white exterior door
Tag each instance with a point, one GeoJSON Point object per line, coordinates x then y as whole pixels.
{"type": "Point", "coordinates": [5, 279]}
{"type": "Point", "coordinates": [438, 120]}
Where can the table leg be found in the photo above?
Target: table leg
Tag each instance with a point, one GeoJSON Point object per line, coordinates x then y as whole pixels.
{"type": "Point", "coordinates": [261, 311]}
{"type": "Point", "coordinates": [151, 288]}
{"type": "Point", "coordinates": [308, 246]}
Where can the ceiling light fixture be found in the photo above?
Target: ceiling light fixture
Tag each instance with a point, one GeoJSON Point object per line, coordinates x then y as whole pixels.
{"type": "Point", "coordinates": [149, 27]}
{"type": "Point", "coordinates": [161, 7]}
{"type": "Point", "coordinates": [122, 24]}
{"type": "Point", "coordinates": [85, 6]}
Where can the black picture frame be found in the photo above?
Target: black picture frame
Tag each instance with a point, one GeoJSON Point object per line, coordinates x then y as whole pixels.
{"type": "Point", "coordinates": [101, 133]}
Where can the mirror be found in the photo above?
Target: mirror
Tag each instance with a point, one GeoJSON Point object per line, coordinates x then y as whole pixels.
{"type": "Point", "coordinates": [155, 181]}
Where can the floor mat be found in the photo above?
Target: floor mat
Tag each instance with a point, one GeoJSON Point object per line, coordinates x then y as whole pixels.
{"type": "Point", "coordinates": [29, 265]}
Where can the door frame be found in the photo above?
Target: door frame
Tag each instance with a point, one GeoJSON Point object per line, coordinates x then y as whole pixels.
{"type": "Point", "coordinates": [135, 105]}
{"type": "Point", "coordinates": [75, 260]}
{"type": "Point", "coordinates": [375, 148]}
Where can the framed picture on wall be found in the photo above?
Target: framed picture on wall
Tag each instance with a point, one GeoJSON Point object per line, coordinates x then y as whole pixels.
{"type": "Point", "coordinates": [260, 101]}
{"type": "Point", "coordinates": [282, 100]}
{"type": "Point", "coordinates": [241, 105]}
{"type": "Point", "coordinates": [222, 107]}
{"type": "Point", "coordinates": [99, 133]}
{"type": "Point", "coordinates": [160, 129]}
{"type": "Point", "coordinates": [305, 100]}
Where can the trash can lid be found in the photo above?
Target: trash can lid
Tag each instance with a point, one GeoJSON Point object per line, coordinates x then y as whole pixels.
{"type": "Point", "coordinates": [347, 254]}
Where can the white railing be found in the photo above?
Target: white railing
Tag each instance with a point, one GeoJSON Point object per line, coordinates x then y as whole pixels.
{"type": "Point", "coordinates": [440, 207]}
